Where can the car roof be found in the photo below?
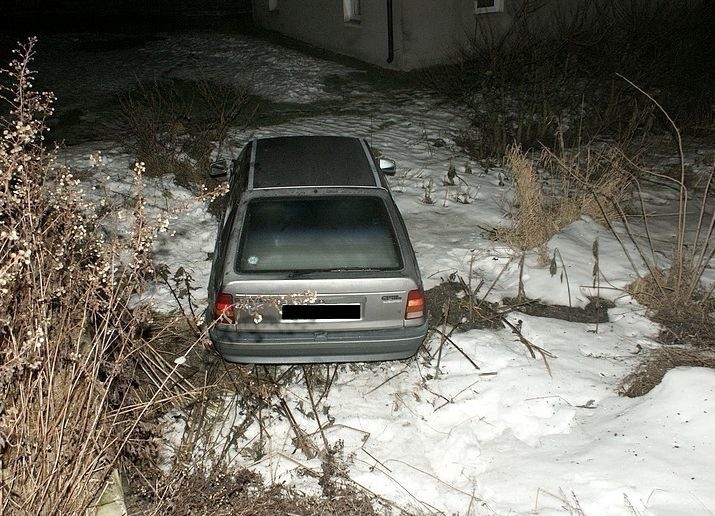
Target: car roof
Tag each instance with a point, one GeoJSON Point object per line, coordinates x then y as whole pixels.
{"type": "Point", "coordinates": [312, 161]}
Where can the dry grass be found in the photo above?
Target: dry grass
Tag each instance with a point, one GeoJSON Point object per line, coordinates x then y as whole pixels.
{"type": "Point", "coordinates": [534, 219]}
{"type": "Point", "coordinates": [597, 180]}
{"type": "Point", "coordinates": [583, 182]}
{"type": "Point", "coordinates": [244, 494]}
{"type": "Point", "coordinates": [686, 318]}
{"type": "Point", "coordinates": [658, 363]}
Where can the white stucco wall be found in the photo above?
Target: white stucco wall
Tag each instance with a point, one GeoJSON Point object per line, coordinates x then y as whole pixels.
{"type": "Point", "coordinates": [426, 32]}
{"type": "Point", "coordinates": [321, 23]}
{"type": "Point", "coordinates": [432, 29]}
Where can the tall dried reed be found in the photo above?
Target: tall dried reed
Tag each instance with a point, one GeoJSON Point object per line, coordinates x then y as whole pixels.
{"type": "Point", "coordinates": [556, 189]}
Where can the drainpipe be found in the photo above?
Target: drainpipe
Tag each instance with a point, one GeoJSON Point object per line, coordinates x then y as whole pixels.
{"type": "Point", "coordinates": [390, 34]}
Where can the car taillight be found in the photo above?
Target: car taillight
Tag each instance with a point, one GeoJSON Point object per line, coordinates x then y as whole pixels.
{"type": "Point", "coordinates": [415, 305]}
{"type": "Point", "coordinates": [223, 308]}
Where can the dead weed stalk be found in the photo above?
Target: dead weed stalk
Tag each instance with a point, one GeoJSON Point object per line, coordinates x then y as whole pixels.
{"type": "Point", "coordinates": [677, 296]}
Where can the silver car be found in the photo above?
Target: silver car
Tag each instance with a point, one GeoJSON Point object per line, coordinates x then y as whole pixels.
{"type": "Point", "coordinates": [312, 260]}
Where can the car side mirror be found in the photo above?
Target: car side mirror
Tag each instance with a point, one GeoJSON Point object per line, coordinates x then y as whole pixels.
{"type": "Point", "coordinates": [218, 168]}
{"type": "Point", "coordinates": [387, 166]}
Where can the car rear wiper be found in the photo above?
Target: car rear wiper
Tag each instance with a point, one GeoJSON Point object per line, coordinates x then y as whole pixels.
{"type": "Point", "coordinates": [356, 269]}
{"type": "Point", "coordinates": [304, 272]}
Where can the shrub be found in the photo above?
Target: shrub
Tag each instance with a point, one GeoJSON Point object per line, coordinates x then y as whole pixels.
{"type": "Point", "coordinates": [173, 125]}
{"type": "Point", "coordinates": [677, 296]}
{"type": "Point", "coordinates": [533, 81]}
{"type": "Point", "coordinates": [74, 340]}
{"type": "Point", "coordinates": [66, 325]}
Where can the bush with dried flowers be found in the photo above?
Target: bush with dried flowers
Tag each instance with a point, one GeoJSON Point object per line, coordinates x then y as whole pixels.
{"type": "Point", "coordinates": [71, 335]}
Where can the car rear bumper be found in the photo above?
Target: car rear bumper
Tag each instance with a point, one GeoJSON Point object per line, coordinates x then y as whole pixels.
{"type": "Point", "coordinates": [319, 347]}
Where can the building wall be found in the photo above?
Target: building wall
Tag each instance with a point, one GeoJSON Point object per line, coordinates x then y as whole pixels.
{"type": "Point", "coordinates": [321, 23]}
{"type": "Point", "coordinates": [426, 32]}
{"type": "Point", "coordinates": [432, 30]}
{"type": "Point", "coordinates": [88, 7]}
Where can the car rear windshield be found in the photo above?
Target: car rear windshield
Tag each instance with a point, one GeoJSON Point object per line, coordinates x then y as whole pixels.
{"type": "Point", "coordinates": [318, 234]}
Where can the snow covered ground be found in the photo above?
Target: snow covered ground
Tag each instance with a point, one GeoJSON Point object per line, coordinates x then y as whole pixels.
{"type": "Point", "coordinates": [512, 437]}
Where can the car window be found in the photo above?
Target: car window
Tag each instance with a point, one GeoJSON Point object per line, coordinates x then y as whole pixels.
{"type": "Point", "coordinates": [323, 233]}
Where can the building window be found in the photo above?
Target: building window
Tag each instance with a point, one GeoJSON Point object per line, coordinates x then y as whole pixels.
{"type": "Point", "coordinates": [488, 6]}
{"type": "Point", "coordinates": [272, 5]}
{"type": "Point", "coordinates": [352, 12]}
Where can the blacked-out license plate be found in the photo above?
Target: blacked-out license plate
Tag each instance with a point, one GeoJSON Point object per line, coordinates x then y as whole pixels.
{"type": "Point", "coordinates": [319, 311]}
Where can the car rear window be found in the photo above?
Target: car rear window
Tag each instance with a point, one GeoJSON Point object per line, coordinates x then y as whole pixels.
{"type": "Point", "coordinates": [316, 234]}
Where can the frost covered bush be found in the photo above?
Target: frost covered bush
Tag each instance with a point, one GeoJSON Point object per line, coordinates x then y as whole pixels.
{"type": "Point", "coordinates": [70, 339]}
